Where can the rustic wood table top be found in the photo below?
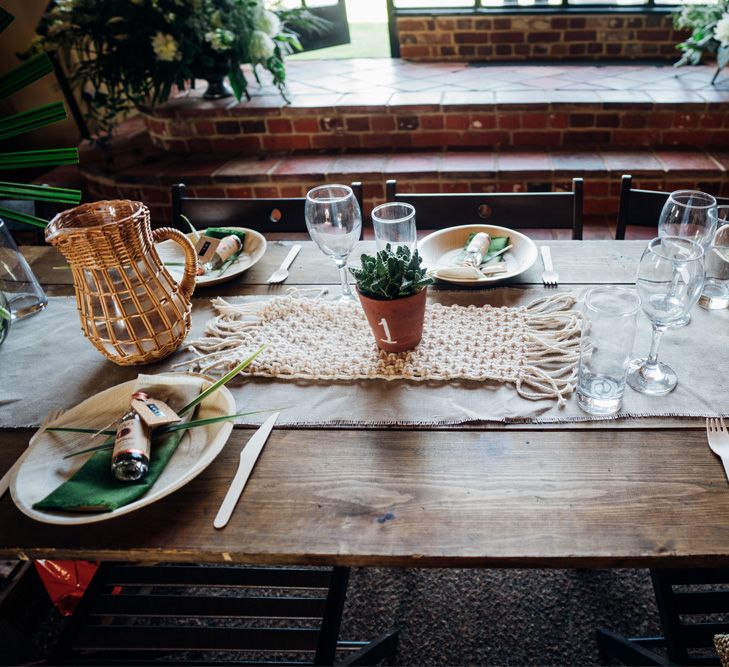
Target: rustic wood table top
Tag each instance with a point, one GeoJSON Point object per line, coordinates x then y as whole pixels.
{"type": "Point", "coordinates": [562, 495]}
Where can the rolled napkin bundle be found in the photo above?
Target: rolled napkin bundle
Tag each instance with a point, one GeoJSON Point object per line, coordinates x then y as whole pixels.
{"type": "Point", "coordinates": [477, 249]}
{"type": "Point", "coordinates": [468, 272]}
{"type": "Point", "coordinates": [93, 487]}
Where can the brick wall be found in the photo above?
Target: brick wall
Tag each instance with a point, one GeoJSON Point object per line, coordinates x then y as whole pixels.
{"type": "Point", "coordinates": [513, 120]}
{"type": "Point", "coordinates": [538, 37]}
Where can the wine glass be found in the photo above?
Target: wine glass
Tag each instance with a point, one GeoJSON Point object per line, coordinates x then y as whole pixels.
{"type": "Point", "coordinates": [716, 286]}
{"type": "Point", "coordinates": [690, 214]}
{"type": "Point", "coordinates": [334, 222]}
{"type": "Point", "coordinates": [669, 281]}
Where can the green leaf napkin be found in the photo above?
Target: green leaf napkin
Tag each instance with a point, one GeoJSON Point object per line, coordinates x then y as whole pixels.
{"type": "Point", "coordinates": [93, 488]}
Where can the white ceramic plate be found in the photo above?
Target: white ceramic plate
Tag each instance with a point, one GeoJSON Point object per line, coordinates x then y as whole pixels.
{"type": "Point", "coordinates": [43, 467]}
{"type": "Point", "coordinates": [441, 248]}
{"type": "Point", "coordinates": [255, 247]}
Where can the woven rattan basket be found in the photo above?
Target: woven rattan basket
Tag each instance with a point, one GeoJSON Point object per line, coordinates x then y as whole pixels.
{"type": "Point", "coordinates": [131, 309]}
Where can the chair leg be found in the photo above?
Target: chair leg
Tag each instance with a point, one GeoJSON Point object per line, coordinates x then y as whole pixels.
{"type": "Point", "coordinates": [329, 633]}
{"type": "Point", "coordinates": [627, 651]}
{"type": "Point", "coordinates": [377, 650]}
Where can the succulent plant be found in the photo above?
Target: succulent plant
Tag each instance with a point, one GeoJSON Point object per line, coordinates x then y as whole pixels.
{"type": "Point", "coordinates": [391, 274]}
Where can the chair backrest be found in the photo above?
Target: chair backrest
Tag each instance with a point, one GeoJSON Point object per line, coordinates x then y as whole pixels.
{"type": "Point", "coordinates": [694, 606]}
{"type": "Point", "coordinates": [264, 215]}
{"type": "Point", "coordinates": [516, 210]}
{"type": "Point", "coordinates": [642, 208]}
{"type": "Point", "coordinates": [277, 614]}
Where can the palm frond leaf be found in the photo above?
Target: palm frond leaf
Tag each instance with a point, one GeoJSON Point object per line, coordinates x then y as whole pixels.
{"type": "Point", "coordinates": [23, 122]}
{"type": "Point", "coordinates": [25, 74]}
{"type": "Point", "coordinates": [51, 157]}
{"type": "Point", "coordinates": [39, 193]}
{"type": "Point", "coordinates": [24, 218]}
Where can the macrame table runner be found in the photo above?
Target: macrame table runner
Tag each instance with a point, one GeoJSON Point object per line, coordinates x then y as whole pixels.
{"type": "Point", "coordinates": [46, 364]}
{"type": "Point", "coordinates": [534, 347]}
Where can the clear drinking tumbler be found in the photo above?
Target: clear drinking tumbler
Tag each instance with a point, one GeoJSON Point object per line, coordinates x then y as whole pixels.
{"type": "Point", "coordinates": [611, 316]}
{"type": "Point", "coordinates": [17, 281]}
{"type": "Point", "coordinates": [394, 224]}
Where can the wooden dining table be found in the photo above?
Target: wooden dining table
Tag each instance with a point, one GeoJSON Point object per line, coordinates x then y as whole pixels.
{"type": "Point", "coordinates": [623, 493]}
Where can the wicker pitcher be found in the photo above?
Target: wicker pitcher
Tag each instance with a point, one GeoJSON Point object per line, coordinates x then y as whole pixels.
{"type": "Point", "coordinates": [131, 309]}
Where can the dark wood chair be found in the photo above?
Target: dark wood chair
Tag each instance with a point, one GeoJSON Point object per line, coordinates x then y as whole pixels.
{"type": "Point", "coordinates": [134, 614]}
{"type": "Point", "coordinates": [641, 208]}
{"type": "Point", "coordinates": [285, 215]}
{"type": "Point", "coordinates": [516, 210]}
{"type": "Point", "coordinates": [693, 606]}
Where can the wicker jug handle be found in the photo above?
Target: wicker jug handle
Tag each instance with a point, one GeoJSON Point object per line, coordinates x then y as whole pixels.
{"type": "Point", "coordinates": [187, 284]}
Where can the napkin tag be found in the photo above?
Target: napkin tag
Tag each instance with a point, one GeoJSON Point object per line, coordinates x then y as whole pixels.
{"type": "Point", "coordinates": [154, 412]}
{"type": "Point", "coordinates": [205, 249]}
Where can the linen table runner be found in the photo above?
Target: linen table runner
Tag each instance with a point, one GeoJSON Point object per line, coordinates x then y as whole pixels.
{"type": "Point", "coordinates": [46, 364]}
{"type": "Point", "coordinates": [534, 347]}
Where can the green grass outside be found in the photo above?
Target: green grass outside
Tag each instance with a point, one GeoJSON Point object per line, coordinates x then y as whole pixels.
{"type": "Point", "coordinates": [369, 40]}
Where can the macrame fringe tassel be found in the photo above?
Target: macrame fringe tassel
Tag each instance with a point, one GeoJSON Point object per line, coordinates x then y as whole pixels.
{"type": "Point", "coordinates": [552, 331]}
{"type": "Point", "coordinates": [223, 346]}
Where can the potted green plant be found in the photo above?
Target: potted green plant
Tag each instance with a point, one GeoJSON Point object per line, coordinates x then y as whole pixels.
{"type": "Point", "coordinates": [127, 54]}
{"type": "Point", "coordinates": [392, 287]}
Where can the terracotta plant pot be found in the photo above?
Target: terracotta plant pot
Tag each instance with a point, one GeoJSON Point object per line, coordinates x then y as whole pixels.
{"type": "Point", "coordinates": [402, 318]}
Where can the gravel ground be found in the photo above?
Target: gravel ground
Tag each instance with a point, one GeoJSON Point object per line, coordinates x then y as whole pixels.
{"type": "Point", "coordinates": [499, 617]}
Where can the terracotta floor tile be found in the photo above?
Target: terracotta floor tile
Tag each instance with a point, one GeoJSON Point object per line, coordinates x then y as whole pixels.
{"type": "Point", "coordinates": [674, 96]}
{"type": "Point", "coordinates": [474, 163]}
{"type": "Point", "coordinates": [303, 164]}
{"type": "Point", "coordinates": [577, 162]}
{"type": "Point", "coordinates": [377, 97]}
{"type": "Point", "coordinates": [525, 161]}
{"type": "Point", "coordinates": [238, 169]}
{"type": "Point", "coordinates": [412, 163]}
{"type": "Point", "coordinates": [538, 97]}
{"type": "Point", "coordinates": [373, 163]}
{"type": "Point", "coordinates": [685, 160]}
{"type": "Point", "coordinates": [458, 99]}
{"type": "Point", "coordinates": [624, 96]}
{"type": "Point", "coordinates": [631, 161]}
{"type": "Point", "coordinates": [721, 157]}
{"type": "Point", "coordinates": [423, 100]}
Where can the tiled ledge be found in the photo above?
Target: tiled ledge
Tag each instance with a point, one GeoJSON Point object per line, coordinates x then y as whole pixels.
{"type": "Point", "coordinates": [428, 105]}
{"type": "Point", "coordinates": [235, 176]}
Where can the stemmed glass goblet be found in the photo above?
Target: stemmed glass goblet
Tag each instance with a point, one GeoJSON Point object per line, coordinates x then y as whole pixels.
{"type": "Point", "coordinates": [334, 221]}
{"type": "Point", "coordinates": [669, 281]}
{"type": "Point", "coordinates": [690, 214]}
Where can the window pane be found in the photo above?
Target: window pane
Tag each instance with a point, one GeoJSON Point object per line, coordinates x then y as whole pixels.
{"type": "Point", "coordinates": [433, 4]}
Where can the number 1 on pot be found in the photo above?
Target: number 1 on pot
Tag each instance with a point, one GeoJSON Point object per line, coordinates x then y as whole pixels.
{"type": "Point", "coordinates": [383, 324]}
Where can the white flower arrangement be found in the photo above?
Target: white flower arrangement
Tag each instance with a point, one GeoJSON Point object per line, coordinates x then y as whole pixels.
{"type": "Point", "coordinates": [709, 25]}
{"type": "Point", "coordinates": [128, 53]}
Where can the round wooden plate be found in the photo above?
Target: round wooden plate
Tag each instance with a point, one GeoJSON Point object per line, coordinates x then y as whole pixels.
{"type": "Point", "coordinates": [441, 248]}
{"type": "Point", "coordinates": [173, 257]}
{"type": "Point", "coordinates": [43, 467]}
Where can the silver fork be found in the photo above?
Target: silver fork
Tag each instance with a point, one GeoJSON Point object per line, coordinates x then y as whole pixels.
{"type": "Point", "coordinates": [282, 272]}
{"type": "Point", "coordinates": [549, 276]}
{"type": "Point", "coordinates": [718, 438]}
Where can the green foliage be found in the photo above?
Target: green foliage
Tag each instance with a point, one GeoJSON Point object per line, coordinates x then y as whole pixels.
{"type": "Point", "coordinates": [125, 54]}
{"type": "Point", "coordinates": [10, 126]}
{"type": "Point", "coordinates": [391, 275]}
{"type": "Point", "coordinates": [702, 20]}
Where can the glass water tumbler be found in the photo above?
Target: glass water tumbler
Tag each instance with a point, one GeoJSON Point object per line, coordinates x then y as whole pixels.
{"type": "Point", "coordinates": [611, 317]}
{"type": "Point", "coordinates": [394, 224]}
{"type": "Point", "coordinates": [17, 281]}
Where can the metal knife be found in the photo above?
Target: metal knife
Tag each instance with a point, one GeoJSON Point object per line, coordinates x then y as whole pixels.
{"type": "Point", "coordinates": [248, 457]}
